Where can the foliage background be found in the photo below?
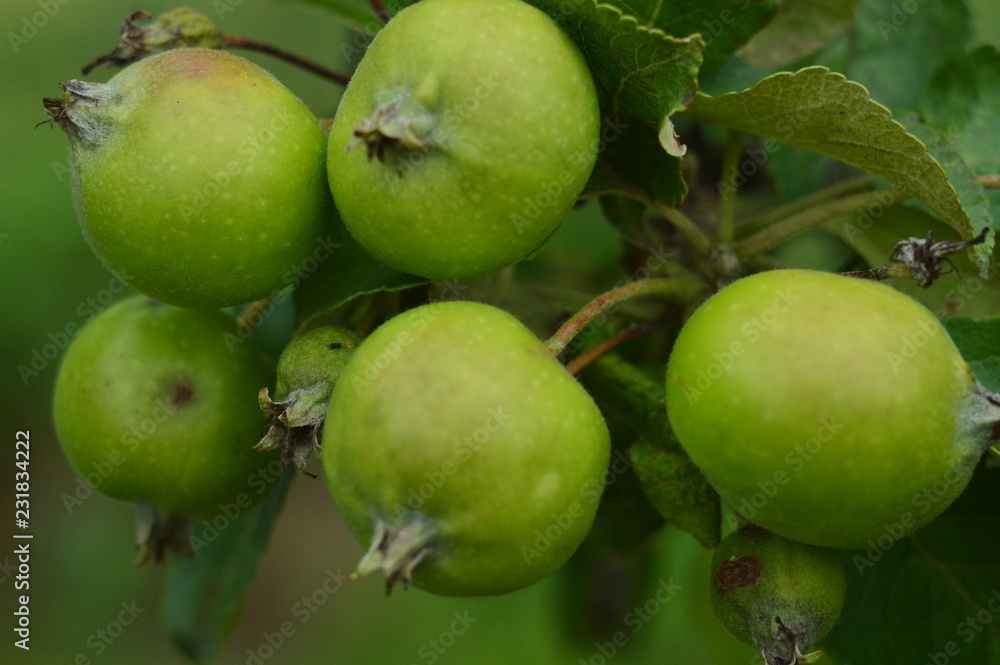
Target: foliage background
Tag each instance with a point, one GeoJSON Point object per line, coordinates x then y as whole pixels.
{"type": "Point", "coordinates": [82, 561]}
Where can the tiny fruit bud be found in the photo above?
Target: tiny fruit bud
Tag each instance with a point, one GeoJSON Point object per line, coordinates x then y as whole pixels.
{"type": "Point", "coordinates": [307, 372]}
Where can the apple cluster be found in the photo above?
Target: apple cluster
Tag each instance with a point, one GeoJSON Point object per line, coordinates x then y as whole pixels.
{"type": "Point", "coordinates": [204, 182]}
{"type": "Point", "coordinates": [826, 411]}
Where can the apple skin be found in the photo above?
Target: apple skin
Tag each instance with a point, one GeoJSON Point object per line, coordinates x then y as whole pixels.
{"type": "Point", "coordinates": [828, 409]}
{"type": "Point", "coordinates": [199, 179]}
{"type": "Point", "coordinates": [315, 357]}
{"type": "Point", "coordinates": [152, 405]}
{"type": "Point", "coordinates": [453, 417]}
{"type": "Point", "coordinates": [507, 112]}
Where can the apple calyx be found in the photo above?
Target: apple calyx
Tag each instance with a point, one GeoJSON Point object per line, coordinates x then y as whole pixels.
{"type": "Point", "coordinates": [979, 416]}
{"type": "Point", "coordinates": [158, 532]}
{"type": "Point", "coordinates": [392, 131]}
{"type": "Point", "coordinates": [178, 28]}
{"type": "Point", "coordinates": [297, 423]}
{"type": "Point", "coordinates": [397, 551]}
{"type": "Point", "coordinates": [783, 644]}
{"type": "Point", "coordinates": [76, 112]}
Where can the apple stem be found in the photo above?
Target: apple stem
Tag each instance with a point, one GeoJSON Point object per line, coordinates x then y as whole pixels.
{"type": "Point", "coordinates": [773, 236]}
{"type": "Point", "coordinates": [309, 65]}
{"type": "Point", "coordinates": [762, 220]}
{"type": "Point", "coordinates": [577, 364]}
{"type": "Point", "coordinates": [380, 11]}
{"type": "Point", "coordinates": [878, 274]}
{"type": "Point", "coordinates": [728, 188]}
{"type": "Point", "coordinates": [253, 315]}
{"type": "Point", "coordinates": [672, 288]}
{"type": "Point", "coordinates": [988, 180]}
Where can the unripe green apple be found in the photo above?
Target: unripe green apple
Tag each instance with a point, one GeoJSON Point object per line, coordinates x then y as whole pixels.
{"type": "Point", "coordinates": [465, 136]}
{"type": "Point", "coordinates": [315, 358]}
{"type": "Point", "coordinates": [151, 405]}
{"type": "Point", "coordinates": [198, 178]}
{"type": "Point", "coordinates": [828, 409]}
{"type": "Point", "coordinates": [308, 370]}
{"type": "Point", "coordinates": [776, 595]}
{"type": "Point", "coordinates": [462, 453]}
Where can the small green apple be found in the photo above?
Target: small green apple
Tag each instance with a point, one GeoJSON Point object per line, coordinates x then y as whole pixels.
{"type": "Point", "coordinates": [828, 409]}
{"type": "Point", "coordinates": [151, 405]}
{"type": "Point", "coordinates": [462, 453]}
{"type": "Point", "coordinates": [464, 137]}
{"type": "Point", "coordinates": [198, 178]}
{"type": "Point", "coordinates": [776, 595]}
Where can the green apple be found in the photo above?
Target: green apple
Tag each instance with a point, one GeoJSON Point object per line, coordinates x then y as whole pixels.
{"type": "Point", "coordinates": [462, 453]}
{"type": "Point", "coordinates": [776, 595]}
{"type": "Point", "coordinates": [308, 369]}
{"type": "Point", "coordinates": [151, 405]}
{"type": "Point", "coordinates": [828, 409]}
{"type": "Point", "coordinates": [198, 178]}
{"type": "Point", "coordinates": [464, 137]}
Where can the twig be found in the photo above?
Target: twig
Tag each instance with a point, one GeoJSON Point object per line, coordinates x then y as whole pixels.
{"type": "Point", "coordinates": [253, 311]}
{"type": "Point", "coordinates": [667, 287]}
{"type": "Point", "coordinates": [380, 11]}
{"type": "Point", "coordinates": [776, 234]}
{"type": "Point", "coordinates": [253, 45]}
{"type": "Point", "coordinates": [989, 181]}
{"type": "Point", "coordinates": [727, 187]}
{"type": "Point", "coordinates": [575, 365]}
{"type": "Point", "coordinates": [768, 217]}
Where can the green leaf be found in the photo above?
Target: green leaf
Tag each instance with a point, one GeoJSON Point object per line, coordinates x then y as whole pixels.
{"type": "Point", "coordinates": [801, 27]}
{"type": "Point", "coordinates": [634, 158]}
{"type": "Point", "coordinates": [892, 49]}
{"type": "Point", "coordinates": [627, 216]}
{"type": "Point", "coordinates": [824, 112]}
{"type": "Point", "coordinates": [931, 598]}
{"type": "Point", "coordinates": [204, 594]}
{"type": "Point", "coordinates": [357, 14]}
{"type": "Point", "coordinates": [896, 46]}
{"type": "Point", "coordinates": [979, 342]}
{"type": "Point", "coordinates": [640, 71]}
{"type": "Point", "coordinates": [725, 25]}
{"type": "Point", "coordinates": [349, 272]}
{"type": "Point", "coordinates": [963, 104]}
{"type": "Point", "coordinates": [673, 484]}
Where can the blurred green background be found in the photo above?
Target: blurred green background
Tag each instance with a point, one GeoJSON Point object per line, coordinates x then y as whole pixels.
{"type": "Point", "coordinates": [82, 568]}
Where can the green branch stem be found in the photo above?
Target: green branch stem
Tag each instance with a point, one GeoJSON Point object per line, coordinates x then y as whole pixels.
{"type": "Point", "coordinates": [250, 317]}
{"type": "Point", "coordinates": [989, 181]}
{"type": "Point", "coordinates": [673, 288]}
{"type": "Point", "coordinates": [287, 56]}
{"type": "Point", "coordinates": [779, 232]}
{"type": "Point", "coordinates": [758, 222]}
{"type": "Point", "coordinates": [698, 239]}
{"type": "Point", "coordinates": [728, 188]}
{"type": "Point", "coordinates": [380, 11]}
{"type": "Point", "coordinates": [594, 353]}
